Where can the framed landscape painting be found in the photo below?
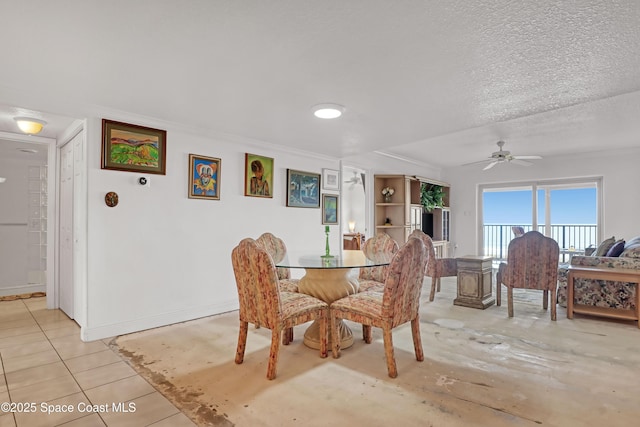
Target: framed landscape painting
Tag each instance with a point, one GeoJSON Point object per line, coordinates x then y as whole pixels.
{"type": "Point", "coordinates": [258, 176]}
{"type": "Point", "coordinates": [133, 148]}
{"type": "Point", "coordinates": [330, 210]}
{"type": "Point", "coordinates": [303, 189]}
{"type": "Point", "coordinates": [204, 177]}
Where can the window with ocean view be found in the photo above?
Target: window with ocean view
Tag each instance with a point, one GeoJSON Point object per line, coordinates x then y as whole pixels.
{"type": "Point", "coordinates": [565, 210]}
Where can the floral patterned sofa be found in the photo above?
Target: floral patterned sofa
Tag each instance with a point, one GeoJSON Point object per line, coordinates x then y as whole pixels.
{"type": "Point", "coordinates": [603, 293]}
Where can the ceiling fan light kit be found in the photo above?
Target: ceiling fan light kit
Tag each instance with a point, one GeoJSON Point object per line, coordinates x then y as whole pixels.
{"type": "Point", "coordinates": [502, 156]}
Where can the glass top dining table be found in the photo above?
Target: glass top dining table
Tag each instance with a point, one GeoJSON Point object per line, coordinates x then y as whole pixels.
{"type": "Point", "coordinates": [344, 259]}
{"type": "Point", "coordinates": [329, 279]}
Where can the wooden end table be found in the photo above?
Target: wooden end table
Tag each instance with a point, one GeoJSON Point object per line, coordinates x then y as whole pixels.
{"type": "Point", "coordinates": [475, 282]}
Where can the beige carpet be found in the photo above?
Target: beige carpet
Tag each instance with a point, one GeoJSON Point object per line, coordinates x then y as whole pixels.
{"type": "Point", "coordinates": [480, 369]}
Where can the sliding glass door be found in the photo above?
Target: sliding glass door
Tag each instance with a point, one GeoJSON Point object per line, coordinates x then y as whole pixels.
{"type": "Point", "coordinates": [566, 210]}
{"type": "Point", "coordinates": [504, 209]}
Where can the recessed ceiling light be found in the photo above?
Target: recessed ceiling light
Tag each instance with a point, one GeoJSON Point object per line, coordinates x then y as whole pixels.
{"type": "Point", "coordinates": [2, 179]}
{"type": "Point", "coordinates": [30, 125]}
{"type": "Point", "coordinates": [328, 111]}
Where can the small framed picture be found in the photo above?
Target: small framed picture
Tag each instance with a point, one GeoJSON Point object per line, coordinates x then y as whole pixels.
{"type": "Point", "coordinates": [330, 210]}
{"type": "Point", "coordinates": [204, 177]}
{"type": "Point", "coordinates": [258, 176]}
{"type": "Point", "coordinates": [303, 189]}
{"type": "Point", "coordinates": [331, 179]}
{"type": "Point", "coordinates": [133, 148]}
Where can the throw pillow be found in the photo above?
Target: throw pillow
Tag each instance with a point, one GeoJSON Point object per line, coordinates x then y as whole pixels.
{"type": "Point", "coordinates": [633, 241]}
{"type": "Point", "coordinates": [604, 247]}
{"type": "Point", "coordinates": [616, 249]}
{"type": "Point", "coordinates": [631, 251]}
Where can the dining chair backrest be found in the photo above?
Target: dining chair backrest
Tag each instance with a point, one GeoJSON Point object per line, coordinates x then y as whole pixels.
{"type": "Point", "coordinates": [436, 268]}
{"type": "Point", "coordinates": [277, 249]}
{"type": "Point", "coordinates": [403, 284]}
{"type": "Point", "coordinates": [532, 262]}
{"type": "Point", "coordinates": [517, 230]}
{"type": "Point", "coordinates": [430, 265]}
{"type": "Point", "coordinates": [257, 283]}
{"type": "Point", "coordinates": [381, 243]}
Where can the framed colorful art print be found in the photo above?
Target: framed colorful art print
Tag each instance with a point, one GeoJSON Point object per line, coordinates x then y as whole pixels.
{"type": "Point", "coordinates": [204, 177]}
{"type": "Point", "coordinates": [330, 212]}
{"type": "Point", "coordinates": [303, 189]}
{"type": "Point", "coordinates": [258, 176]}
{"type": "Point", "coordinates": [133, 148]}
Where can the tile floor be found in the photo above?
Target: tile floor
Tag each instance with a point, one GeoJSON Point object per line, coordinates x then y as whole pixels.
{"type": "Point", "coordinates": [44, 362]}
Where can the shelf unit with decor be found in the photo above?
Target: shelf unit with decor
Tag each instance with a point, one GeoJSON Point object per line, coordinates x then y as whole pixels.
{"type": "Point", "coordinates": [404, 209]}
{"type": "Point", "coordinates": [389, 216]}
{"type": "Point", "coordinates": [437, 223]}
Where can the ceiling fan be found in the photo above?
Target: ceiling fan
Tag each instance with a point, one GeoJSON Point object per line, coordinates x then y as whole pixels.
{"type": "Point", "coordinates": [356, 179]}
{"type": "Point", "coordinates": [502, 156]}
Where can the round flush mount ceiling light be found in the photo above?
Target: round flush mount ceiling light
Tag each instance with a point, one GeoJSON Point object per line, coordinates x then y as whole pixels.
{"type": "Point", "coordinates": [328, 111]}
{"type": "Point", "coordinates": [30, 125]}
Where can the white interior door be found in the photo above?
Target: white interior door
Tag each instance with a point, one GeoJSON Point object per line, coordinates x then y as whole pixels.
{"type": "Point", "coordinates": [65, 270]}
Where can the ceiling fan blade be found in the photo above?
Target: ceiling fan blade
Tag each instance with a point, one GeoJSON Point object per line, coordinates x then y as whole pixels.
{"type": "Point", "coordinates": [490, 165]}
{"type": "Point", "coordinates": [521, 162]}
{"type": "Point", "coordinates": [527, 157]}
{"type": "Point", "coordinates": [478, 162]}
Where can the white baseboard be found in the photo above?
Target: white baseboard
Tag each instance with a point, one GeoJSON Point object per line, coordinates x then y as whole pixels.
{"type": "Point", "coordinates": [121, 328]}
{"type": "Point", "coordinates": [22, 289]}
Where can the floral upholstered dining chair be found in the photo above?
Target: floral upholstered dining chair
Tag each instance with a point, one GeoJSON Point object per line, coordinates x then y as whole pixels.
{"type": "Point", "coordinates": [398, 303]}
{"type": "Point", "coordinates": [532, 263]}
{"type": "Point", "coordinates": [262, 302]}
{"type": "Point", "coordinates": [372, 278]}
{"type": "Point", "coordinates": [436, 267]}
{"type": "Point", "coordinates": [278, 250]}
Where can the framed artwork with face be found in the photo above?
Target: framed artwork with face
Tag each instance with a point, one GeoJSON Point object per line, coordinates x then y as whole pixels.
{"type": "Point", "coordinates": [258, 176]}
{"type": "Point", "coordinates": [204, 177]}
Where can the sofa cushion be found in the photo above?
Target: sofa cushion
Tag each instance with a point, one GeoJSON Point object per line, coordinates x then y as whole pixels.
{"type": "Point", "coordinates": [604, 246]}
{"type": "Point", "coordinates": [631, 251]}
{"type": "Point", "coordinates": [616, 249]}
{"type": "Point", "coordinates": [633, 241]}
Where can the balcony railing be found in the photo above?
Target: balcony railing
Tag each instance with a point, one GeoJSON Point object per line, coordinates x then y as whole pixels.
{"type": "Point", "coordinates": [569, 237]}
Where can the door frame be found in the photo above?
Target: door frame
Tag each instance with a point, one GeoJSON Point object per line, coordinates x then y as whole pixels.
{"type": "Point", "coordinates": [368, 194]}
{"type": "Point", "coordinates": [51, 201]}
{"type": "Point", "coordinates": [79, 127]}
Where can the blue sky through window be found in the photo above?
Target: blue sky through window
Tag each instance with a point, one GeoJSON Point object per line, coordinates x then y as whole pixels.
{"type": "Point", "coordinates": [568, 206]}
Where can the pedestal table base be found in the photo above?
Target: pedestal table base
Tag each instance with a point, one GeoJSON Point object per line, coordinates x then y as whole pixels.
{"type": "Point", "coordinates": [328, 285]}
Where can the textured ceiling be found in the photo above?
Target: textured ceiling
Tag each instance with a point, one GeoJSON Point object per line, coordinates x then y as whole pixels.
{"type": "Point", "coordinates": [437, 82]}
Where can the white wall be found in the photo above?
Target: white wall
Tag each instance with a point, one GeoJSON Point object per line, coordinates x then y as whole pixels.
{"type": "Point", "coordinates": [160, 257]}
{"type": "Point", "coordinates": [621, 198]}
